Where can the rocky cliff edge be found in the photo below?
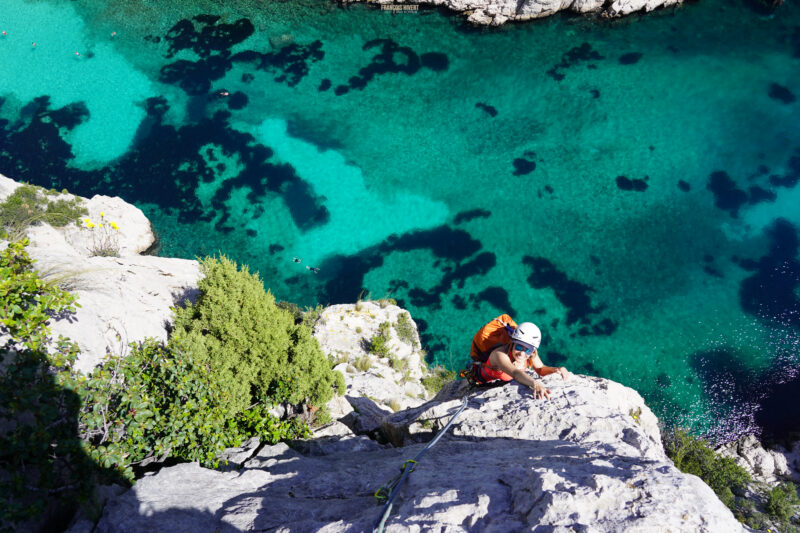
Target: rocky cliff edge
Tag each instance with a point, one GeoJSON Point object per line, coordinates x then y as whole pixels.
{"type": "Point", "coordinates": [122, 299]}
{"type": "Point", "coordinates": [498, 12]}
{"type": "Point", "coordinates": [590, 459]}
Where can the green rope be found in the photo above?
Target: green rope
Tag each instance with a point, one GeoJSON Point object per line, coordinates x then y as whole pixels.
{"type": "Point", "coordinates": [386, 493]}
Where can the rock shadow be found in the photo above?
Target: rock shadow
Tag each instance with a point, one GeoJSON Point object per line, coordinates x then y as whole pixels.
{"type": "Point", "coordinates": [42, 453]}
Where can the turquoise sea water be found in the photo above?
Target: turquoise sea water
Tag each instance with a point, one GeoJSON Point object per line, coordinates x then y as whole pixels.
{"type": "Point", "coordinates": [629, 185]}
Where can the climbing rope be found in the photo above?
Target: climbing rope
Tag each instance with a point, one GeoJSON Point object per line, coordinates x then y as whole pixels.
{"type": "Point", "coordinates": [388, 491]}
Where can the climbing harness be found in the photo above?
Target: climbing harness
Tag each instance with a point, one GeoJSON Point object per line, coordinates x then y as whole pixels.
{"type": "Point", "coordinates": [387, 492]}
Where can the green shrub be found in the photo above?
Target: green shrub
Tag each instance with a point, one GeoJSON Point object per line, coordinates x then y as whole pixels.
{"type": "Point", "coordinates": [781, 502]}
{"type": "Point", "coordinates": [312, 314]}
{"type": "Point", "coordinates": [321, 418]}
{"type": "Point", "coordinates": [29, 205]}
{"type": "Point", "coordinates": [694, 456]}
{"type": "Point", "coordinates": [378, 344]}
{"type": "Point", "coordinates": [27, 301]}
{"type": "Point", "coordinates": [253, 348]}
{"type": "Point", "coordinates": [63, 432]}
{"type": "Point", "coordinates": [258, 422]}
{"type": "Point", "coordinates": [42, 461]}
{"type": "Point", "coordinates": [438, 378]}
{"type": "Point", "coordinates": [405, 330]}
{"type": "Point", "coordinates": [156, 402]}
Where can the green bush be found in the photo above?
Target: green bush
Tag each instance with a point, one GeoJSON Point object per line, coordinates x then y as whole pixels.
{"type": "Point", "coordinates": [438, 378]}
{"type": "Point", "coordinates": [781, 502]}
{"type": "Point", "coordinates": [258, 422]}
{"type": "Point", "coordinates": [694, 456]}
{"type": "Point", "coordinates": [312, 314]}
{"type": "Point", "coordinates": [378, 344]}
{"type": "Point", "coordinates": [27, 301]}
{"type": "Point", "coordinates": [28, 205]}
{"type": "Point", "coordinates": [253, 349]}
{"type": "Point", "coordinates": [405, 330]}
{"type": "Point", "coordinates": [63, 431]}
{"type": "Point", "coordinates": [42, 461]}
{"type": "Point", "coordinates": [153, 403]}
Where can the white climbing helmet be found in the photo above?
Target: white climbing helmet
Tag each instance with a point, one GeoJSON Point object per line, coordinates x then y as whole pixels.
{"type": "Point", "coordinates": [527, 333]}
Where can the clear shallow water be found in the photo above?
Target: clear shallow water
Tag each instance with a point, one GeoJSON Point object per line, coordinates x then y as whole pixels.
{"type": "Point", "coordinates": [630, 186]}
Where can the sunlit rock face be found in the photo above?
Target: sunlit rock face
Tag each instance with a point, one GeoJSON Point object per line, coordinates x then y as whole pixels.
{"type": "Point", "coordinates": [123, 298]}
{"type": "Point", "coordinates": [498, 12]}
{"type": "Point", "coordinates": [589, 459]}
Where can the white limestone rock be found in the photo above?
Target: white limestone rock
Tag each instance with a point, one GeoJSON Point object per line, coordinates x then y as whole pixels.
{"type": "Point", "coordinates": [344, 332]}
{"type": "Point", "coordinates": [122, 299]}
{"type": "Point", "coordinates": [792, 456]}
{"type": "Point", "coordinates": [237, 456]}
{"type": "Point", "coordinates": [498, 12]}
{"type": "Point", "coordinates": [580, 462]}
{"type": "Point", "coordinates": [334, 429]}
{"type": "Point", "coordinates": [135, 235]}
{"type": "Point", "coordinates": [770, 466]}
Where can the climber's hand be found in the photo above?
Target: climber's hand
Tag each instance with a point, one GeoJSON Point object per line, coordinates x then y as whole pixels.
{"type": "Point", "coordinates": [540, 392]}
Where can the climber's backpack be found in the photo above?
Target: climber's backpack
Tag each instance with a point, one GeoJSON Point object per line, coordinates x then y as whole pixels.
{"type": "Point", "coordinates": [491, 336]}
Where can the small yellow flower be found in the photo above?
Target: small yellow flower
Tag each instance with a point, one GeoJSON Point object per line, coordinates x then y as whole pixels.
{"type": "Point", "coordinates": [87, 221]}
{"type": "Point", "coordinates": [114, 225]}
{"type": "Point", "coordinates": [89, 225]}
{"type": "Point", "coordinates": [102, 214]}
{"type": "Point", "coordinates": [100, 225]}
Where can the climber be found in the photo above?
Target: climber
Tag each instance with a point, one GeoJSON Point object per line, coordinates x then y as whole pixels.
{"type": "Point", "coordinates": [501, 351]}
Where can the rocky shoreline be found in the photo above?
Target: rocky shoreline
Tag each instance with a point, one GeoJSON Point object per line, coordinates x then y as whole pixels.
{"type": "Point", "coordinates": [591, 458]}
{"type": "Point", "coordinates": [498, 12]}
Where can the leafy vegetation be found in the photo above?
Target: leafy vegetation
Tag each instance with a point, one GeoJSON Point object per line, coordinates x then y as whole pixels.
{"type": "Point", "coordinates": [404, 327]}
{"type": "Point", "coordinates": [694, 456]}
{"type": "Point", "coordinates": [64, 432]}
{"type": "Point", "coordinates": [153, 403]}
{"type": "Point", "coordinates": [257, 421]}
{"type": "Point", "coordinates": [378, 344]}
{"type": "Point", "coordinates": [312, 314]}
{"type": "Point", "coordinates": [729, 481]}
{"type": "Point", "coordinates": [253, 348]}
{"type": "Point", "coordinates": [39, 449]}
{"type": "Point", "coordinates": [438, 378]}
{"type": "Point", "coordinates": [29, 205]}
{"type": "Point", "coordinates": [782, 502]}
